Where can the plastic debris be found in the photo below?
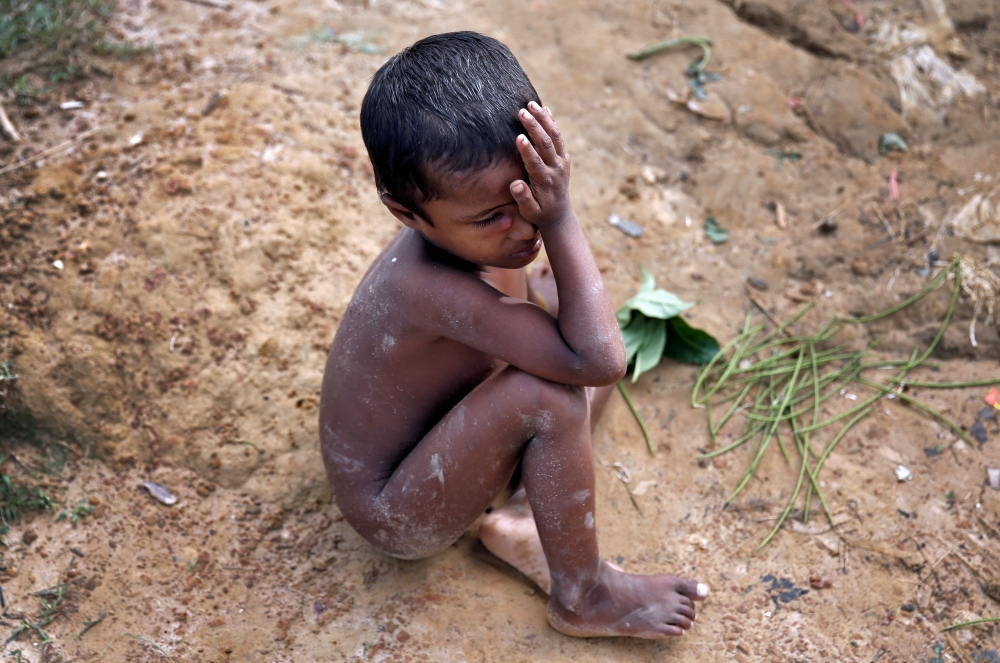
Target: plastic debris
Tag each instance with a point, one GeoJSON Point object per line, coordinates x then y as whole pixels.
{"type": "Point", "coordinates": [992, 397]}
{"type": "Point", "coordinates": [161, 493]}
{"type": "Point", "coordinates": [979, 219]}
{"type": "Point", "coordinates": [135, 140]}
{"type": "Point", "coordinates": [630, 228]}
{"type": "Point", "coordinates": [712, 107]}
{"type": "Point", "coordinates": [58, 264]}
{"type": "Point", "coordinates": [994, 474]}
{"type": "Point", "coordinates": [71, 105]}
{"type": "Point", "coordinates": [715, 233]}
{"type": "Point", "coordinates": [894, 185]}
{"type": "Point", "coordinates": [903, 473]}
{"type": "Point", "coordinates": [782, 590]}
{"type": "Point", "coordinates": [891, 141]}
{"type": "Point", "coordinates": [783, 156]}
{"type": "Point", "coordinates": [859, 19]}
{"type": "Point", "coordinates": [924, 79]}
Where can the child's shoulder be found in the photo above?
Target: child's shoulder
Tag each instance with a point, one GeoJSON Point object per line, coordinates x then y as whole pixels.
{"type": "Point", "coordinates": [421, 277]}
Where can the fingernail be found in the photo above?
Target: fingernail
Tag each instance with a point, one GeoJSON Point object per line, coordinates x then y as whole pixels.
{"type": "Point", "coordinates": [533, 106]}
{"type": "Point", "coordinates": [702, 590]}
{"type": "Point", "coordinates": [523, 139]}
{"type": "Point", "coordinates": [523, 113]}
{"type": "Point", "coordinates": [518, 187]}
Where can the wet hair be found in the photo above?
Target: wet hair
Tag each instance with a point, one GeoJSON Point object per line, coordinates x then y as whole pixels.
{"type": "Point", "coordinates": [447, 104]}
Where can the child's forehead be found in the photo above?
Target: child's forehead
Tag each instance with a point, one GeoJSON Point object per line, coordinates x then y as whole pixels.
{"type": "Point", "coordinates": [493, 178]}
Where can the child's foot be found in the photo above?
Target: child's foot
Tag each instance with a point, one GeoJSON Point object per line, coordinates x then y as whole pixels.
{"type": "Point", "coordinates": [543, 286]}
{"type": "Point", "coordinates": [509, 532]}
{"type": "Point", "coordinates": [624, 604]}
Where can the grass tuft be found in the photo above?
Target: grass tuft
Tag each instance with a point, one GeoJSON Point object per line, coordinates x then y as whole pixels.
{"type": "Point", "coordinates": [52, 38]}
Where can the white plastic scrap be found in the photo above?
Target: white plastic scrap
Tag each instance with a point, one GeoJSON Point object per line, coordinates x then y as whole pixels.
{"type": "Point", "coordinates": [71, 105]}
{"type": "Point", "coordinates": [903, 473]}
{"type": "Point", "coordinates": [630, 228]}
{"type": "Point", "coordinates": [161, 493]}
{"type": "Point", "coordinates": [924, 79]}
{"type": "Point", "coordinates": [994, 475]}
{"type": "Point", "coordinates": [58, 264]}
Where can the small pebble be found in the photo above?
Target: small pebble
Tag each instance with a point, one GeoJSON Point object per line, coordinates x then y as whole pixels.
{"type": "Point", "coordinates": [759, 284]}
{"type": "Point", "coordinates": [978, 431]}
{"type": "Point", "coordinates": [994, 474]}
{"type": "Point", "coordinates": [903, 473]}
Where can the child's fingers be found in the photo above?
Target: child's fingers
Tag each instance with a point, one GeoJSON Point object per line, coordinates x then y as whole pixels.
{"type": "Point", "coordinates": [532, 161]}
{"type": "Point", "coordinates": [542, 141]}
{"type": "Point", "coordinates": [548, 122]}
{"type": "Point", "coordinates": [526, 203]}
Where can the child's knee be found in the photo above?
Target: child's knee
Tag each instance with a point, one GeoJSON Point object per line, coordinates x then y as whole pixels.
{"type": "Point", "coordinates": [553, 403]}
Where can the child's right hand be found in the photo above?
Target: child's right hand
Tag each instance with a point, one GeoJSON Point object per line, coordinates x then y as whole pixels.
{"type": "Point", "coordinates": [546, 200]}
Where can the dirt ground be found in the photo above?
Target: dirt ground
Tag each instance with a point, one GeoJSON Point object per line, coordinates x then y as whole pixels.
{"type": "Point", "coordinates": [216, 215]}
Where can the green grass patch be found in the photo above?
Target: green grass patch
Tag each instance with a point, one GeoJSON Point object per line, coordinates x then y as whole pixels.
{"type": "Point", "coordinates": [53, 39]}
{"type": "Point", "coordinates": [17, 499]}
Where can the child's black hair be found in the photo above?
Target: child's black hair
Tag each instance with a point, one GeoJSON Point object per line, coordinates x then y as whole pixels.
{"type": "Point", "coordinates": [447, 104]}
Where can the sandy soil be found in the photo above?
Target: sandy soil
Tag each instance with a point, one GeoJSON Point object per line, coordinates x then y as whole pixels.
{"type": "Point", "coordinates": [209, 248]}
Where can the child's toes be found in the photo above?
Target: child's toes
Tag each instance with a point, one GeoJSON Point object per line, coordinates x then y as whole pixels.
{"type": "Point", "coordinates": [680, 621]}
{"type": "Point", "coordinates": [696, 591]}
{"type": "Point", "coordinates": [687, 611]}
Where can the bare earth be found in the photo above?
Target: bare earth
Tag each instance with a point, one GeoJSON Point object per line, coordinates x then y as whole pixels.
{"type": "Point", "coordinates": [208, 257]}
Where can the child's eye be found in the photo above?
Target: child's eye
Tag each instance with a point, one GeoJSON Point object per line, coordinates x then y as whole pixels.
{"type": "Point", "coordinates": [485, 222]}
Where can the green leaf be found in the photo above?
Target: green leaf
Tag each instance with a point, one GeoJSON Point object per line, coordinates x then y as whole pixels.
{"type": "Point", "coordinates": [716, 233]}
{"type": "Point", "coordinates": [651, 350]}
{"type": "Point", "coordinates": [652, 302]}
{"type": "Point", "coordinates": [648, 281]}
{"type": "Point", "coordinates": [689, 345]}
{"type": "Point", "coordinates": [634, 334]}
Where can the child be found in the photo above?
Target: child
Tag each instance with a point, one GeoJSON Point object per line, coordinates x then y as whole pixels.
{"type": "Point", "coordinates": [446, 373]}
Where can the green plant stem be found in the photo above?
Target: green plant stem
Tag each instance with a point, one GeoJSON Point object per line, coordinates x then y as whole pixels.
{"type": "Point", "coordinates": [791, 502]}
{"type": "Point", "coordinates": [929, 410]}
{"type": "Point", "coordinates": [638, 417]}
{"type": "Point", "coordinates": [938, 280]}
{"type": "Point", "coordinates": [704, 42]}
{"type": "Point", "coordinates": [987, 620]}
{"type": "Point", "coordinates": [768, 434]}
{"type": "Point", "coordinates": [947, 385]}
{"type": "Point", "coordinates": [695, 402]}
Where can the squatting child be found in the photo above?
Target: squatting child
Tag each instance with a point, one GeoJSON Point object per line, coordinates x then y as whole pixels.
{"type": "Point", "coordinates": [448, 371]}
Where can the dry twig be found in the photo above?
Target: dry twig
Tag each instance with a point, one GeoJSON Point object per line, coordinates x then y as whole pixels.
{"type": "Point", "coordinates": [8, 127]}
{"type": "Point", "coordinates": [52, 150]}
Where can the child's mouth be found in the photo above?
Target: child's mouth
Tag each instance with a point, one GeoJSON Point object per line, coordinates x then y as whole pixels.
{"type": "Point", "coordinates": [532, 249]}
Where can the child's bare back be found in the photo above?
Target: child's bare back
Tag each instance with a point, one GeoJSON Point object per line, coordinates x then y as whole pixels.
{"type": "Point", "coordinates": [445, 374]}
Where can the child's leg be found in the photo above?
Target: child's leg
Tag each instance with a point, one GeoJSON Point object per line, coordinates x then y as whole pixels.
{"type": "Point", "coordinates": [509, 531]}
{"type": "Point", "coordinates": [447, 481]}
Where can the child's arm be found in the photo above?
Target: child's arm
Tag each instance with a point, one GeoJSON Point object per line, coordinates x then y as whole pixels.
{"type": "Point", "coordinates": [586, 320]}
{"type": "Point", "coordinates": [584, 345]}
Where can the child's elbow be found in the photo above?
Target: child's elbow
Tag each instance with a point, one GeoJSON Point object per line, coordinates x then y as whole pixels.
{"type": "Point", "coordinates": [609, 371]}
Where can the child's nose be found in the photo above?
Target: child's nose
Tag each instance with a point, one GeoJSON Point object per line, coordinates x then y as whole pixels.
{"type": "Point", "coordinates": [521, 229]}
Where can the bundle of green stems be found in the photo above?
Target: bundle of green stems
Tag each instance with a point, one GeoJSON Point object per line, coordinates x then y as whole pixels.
{"type": "Point", "coordinates": [777, 382]}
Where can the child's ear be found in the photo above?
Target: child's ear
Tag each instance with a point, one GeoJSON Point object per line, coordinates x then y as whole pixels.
{"type": "Point", "coordinates": [405, 215]}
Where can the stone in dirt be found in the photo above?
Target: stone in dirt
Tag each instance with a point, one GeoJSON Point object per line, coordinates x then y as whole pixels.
{"type": "Point", "coordinates": [850, 108]}
{"type": "Point", "coordinates": [809, 25]}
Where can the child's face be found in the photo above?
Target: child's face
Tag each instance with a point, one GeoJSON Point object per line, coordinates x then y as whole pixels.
{"type": "Point", "coordinates": [476, 218]}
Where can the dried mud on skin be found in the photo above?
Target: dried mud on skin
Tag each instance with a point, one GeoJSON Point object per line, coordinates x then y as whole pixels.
{"type": "Point", "coordinates": [207, 259]}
